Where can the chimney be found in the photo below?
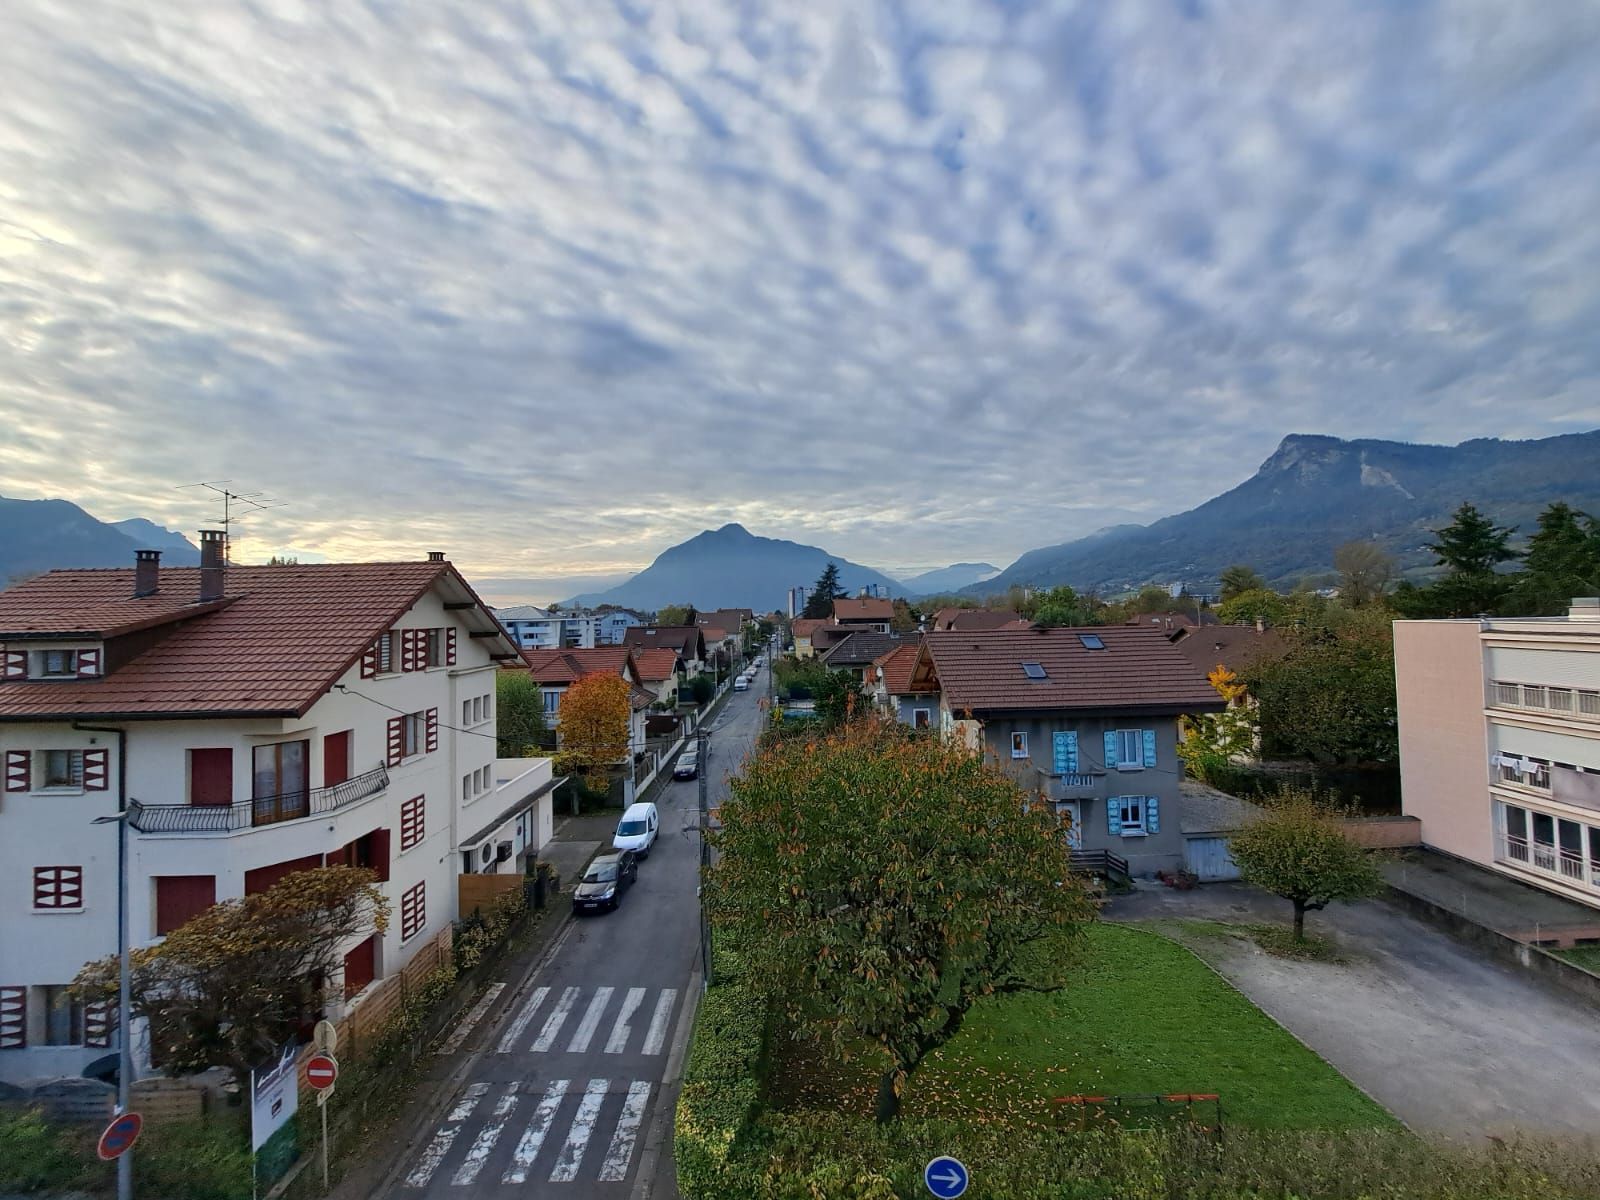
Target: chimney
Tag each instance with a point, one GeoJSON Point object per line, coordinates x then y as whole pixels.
{"type": "Point", "coordinates": [435, 555]}
{"type": "Point", "coordinates": [212, 542]}
{"type": "Point", "coordinates": [146, 572]}
{"type": "Point", "coordinates": [1584, 608]}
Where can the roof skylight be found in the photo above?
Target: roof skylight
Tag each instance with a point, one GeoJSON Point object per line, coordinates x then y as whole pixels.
{"type": "Point", "coordinates": [1033, 670]}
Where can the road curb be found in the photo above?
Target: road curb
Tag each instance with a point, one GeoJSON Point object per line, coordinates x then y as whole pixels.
{"type": "Point", "coordinates": [644, 1182]}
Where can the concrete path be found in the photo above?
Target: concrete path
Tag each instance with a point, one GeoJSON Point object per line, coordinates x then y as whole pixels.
{"type": "Point", "coordinates": [1450, 1042]}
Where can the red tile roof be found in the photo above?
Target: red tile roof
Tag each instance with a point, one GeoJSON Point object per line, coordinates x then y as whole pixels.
{"type": "Point", "coordinates": [713, 633]}
{"type": "Point", "coordinates": [569, 666]}
{"type": "Point", "coordinates": [897, 666]}
{"type": "Point", "coordinates": [656, 663]}
{"type": "Point", "coordinates": [804, 627]}
{"type": "Point", "coordinates": [863, 608]}
{"type": "Point", "coordinates": [972, 619]}
{"type": "Point", "coordinates": [1138, 670]}
{"type": "Point", "coordinates": [687, 640]}
{"type": "Point", "coordinates": [282, 638]}
{"type": "Point", "coordinates": [1232, 646]}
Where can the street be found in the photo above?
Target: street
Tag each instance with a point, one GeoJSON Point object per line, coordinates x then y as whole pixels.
{"type": "Point", "coordinates": [566, 1086]}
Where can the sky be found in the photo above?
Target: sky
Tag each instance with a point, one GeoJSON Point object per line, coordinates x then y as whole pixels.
{"type": "Point", "coordinates": [551, 285]}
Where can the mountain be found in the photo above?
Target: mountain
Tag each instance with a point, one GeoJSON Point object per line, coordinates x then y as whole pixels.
{"type": "Point", "coordinates": [948, 579]}
{"type": "Point", "coordinates": [37, 535]}
{"type": "Point", "coordinates": [733, 568]}
{"type": "Point", "coordinates": [1313, 494]}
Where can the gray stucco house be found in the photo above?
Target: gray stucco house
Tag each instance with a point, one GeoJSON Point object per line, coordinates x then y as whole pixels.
{"type": "Point", "coordinates": [1086, 718]}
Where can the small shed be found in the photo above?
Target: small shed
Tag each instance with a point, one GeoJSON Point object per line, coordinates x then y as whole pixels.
{"type": "Point", "coordinates": [1208, 818]}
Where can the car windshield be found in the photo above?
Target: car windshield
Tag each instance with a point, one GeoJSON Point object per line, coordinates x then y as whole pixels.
{"type": "Point", "coordinates": [687, 760]}
{"type": "Point", "coordinates": [602, 873]}
{"type": "Point", "coordinates": [630, 828]}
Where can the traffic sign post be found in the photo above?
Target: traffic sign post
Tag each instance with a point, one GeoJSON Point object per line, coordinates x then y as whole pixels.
{"type": "Point", "coordinates": [119, 1136]}
{"type": "Point", "coordinates": [322, 1072]}
{"type": "Point", "coordinates": [325, 1037]}
{"type": "Point", "coordinates": [945, 1177]}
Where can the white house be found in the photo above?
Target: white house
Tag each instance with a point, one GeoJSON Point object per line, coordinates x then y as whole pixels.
{"type": "Point", "coordinates": [254, 721]}
{"type": "Point", "coordinates": [535, 628]}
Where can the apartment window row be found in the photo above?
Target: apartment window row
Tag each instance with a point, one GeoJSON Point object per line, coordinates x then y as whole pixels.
{"type": "Point", "coordinates": [1558, 846]}
{"type": "Point", "coordinates": [401, 650]}
{"type": "Point", "coordinates": [1522, 771]}
{"type": "Point", "coordinates": [475, 783]}
{"type": "Point", "coordinates": [62, 770]}
{"type": "Point", "coordinates": [476, 710]}
{"type": "Point", "coordinates": [48, 1015]}
{"type": "Point", "coordinates": [413, 734]}
{"type": "Point", "coordinates": [50, 664]}
{"type": "Point", "coordinates": [1583, 702]}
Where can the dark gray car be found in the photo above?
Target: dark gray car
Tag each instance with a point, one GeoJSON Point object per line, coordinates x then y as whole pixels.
{"type": "Point", "coordinates": [602, 885]}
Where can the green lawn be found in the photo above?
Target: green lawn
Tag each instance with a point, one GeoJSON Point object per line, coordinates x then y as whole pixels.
{"type": "Point", "coordinates": [1587, 957]}
{"type": "Point", "coordinates": [1142, 1015]}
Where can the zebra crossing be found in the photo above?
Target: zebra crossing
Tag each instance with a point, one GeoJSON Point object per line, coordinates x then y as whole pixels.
{"type": "Point", "coordinates": [549, 1128]}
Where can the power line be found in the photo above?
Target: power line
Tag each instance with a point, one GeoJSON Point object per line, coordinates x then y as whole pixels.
{"type": "Point", "coordinates": [406, 712]}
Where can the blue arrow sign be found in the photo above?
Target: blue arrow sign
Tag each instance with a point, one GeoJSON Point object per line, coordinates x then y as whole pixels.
{"type": "Point", "coordinates": [946, 1177]}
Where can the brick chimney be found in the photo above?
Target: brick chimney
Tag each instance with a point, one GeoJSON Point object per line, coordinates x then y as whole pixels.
{"type": "Point", "coordinates": [212, 542]}
{"type": "Point", "coordinates": [435, 555]}
{"type": "Point", "coordinates": [146, 573]}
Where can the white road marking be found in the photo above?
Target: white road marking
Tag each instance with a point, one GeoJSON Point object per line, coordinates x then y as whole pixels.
{"type": "Point", "coordinates": [621, 1030]}
{"type": "Point", "coordinates": [615, 1166]}
{"type": "Point", "coordinates": [514, 1032]}
{"type": "Point", "coordinates": [657, 1035]}
{"type": "Point", "coordinates": [474, 1015]}
{"type": "Point", "coordinates": [566, 1168]}
{"type": "Point", "coordinates": [584, 1034]}
{"type": "Point", "coordinates": [554, 1022]}
{"type": "Point", "coordinates": [478, 1153]}
{"type": "Point", "coordinates": [435, 1151]}
{"type": "Point", "coordinates": [533, 1136]}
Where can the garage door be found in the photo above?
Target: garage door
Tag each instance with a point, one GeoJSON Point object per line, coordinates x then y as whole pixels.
{"type": "Point", "coordinates": [1208, 858]}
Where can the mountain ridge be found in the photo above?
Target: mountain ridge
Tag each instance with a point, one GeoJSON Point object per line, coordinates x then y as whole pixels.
{"type": "Point", "coordinates": [39, 535]}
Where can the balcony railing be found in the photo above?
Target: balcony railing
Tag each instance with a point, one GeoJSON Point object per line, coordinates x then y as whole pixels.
{"type": "Point", "coordinates": [1545, 857]}
{"type": "Point", "coordinates": [1066, 785]}
{"type": "Point", "coordinates": [258, 811]}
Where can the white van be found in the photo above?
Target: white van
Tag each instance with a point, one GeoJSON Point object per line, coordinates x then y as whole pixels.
{"type": "Point", "coordinates": [637, 829]}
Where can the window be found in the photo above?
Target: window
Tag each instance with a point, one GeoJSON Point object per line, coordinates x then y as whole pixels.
{"type": "Point", "coordinates": [1131, 810]}
{"type": "Point", "coordinates": [369, 852]}
{"type": "Point", "coordinates": [280, 782]}
{"type": "Point", "coordinates": [411, 734]}
{"type": "Point", "coordinates": [1559, 699]}
{"type": "Point", "coordinates": [1092, 641]}
{"type": "Point", "coordinates": [467, 709]}
{"type": "Point", "coordinates": [62, 768]}
{"type": "Point", "coordinates": [413, 911]}
{"type": "Point", "coordinates": [435, 647]}
{"type": "Point", "coordinates": [1525, 772]}
{"type": "Point", "coordinates": [921, 718]}
{"type": "Point", "coordinates": [54, 664]}
{"type": "Point", "coordinates": [552, 703]}
{"type": "Point", "coordinates": [1130, 749]}
{"type": "Point", "coordinates": [386, 654]}
{"type": "Point", "coordinates": [1019, 745]}
{"type": "Point", "coordinates": [1589, 704]}
{"type": "Point", "coordinates": [1507, 693]}
{"type": "Point", "coordinates": [413, 816]}
{"type": "Point", "coordinates": [58, 889]}
{"type": "Point", "coordinates": [180, 897]}
{"type": "Point", "coordinates": [467, 781]}
{"type": "Point", "coordinates": [1033, 670]}
{"type": "Point", "coordinates": [63, 1016]}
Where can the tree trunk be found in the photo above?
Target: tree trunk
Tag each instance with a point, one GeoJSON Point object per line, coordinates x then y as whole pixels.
{"type": "Point", "coordinates": [887, 1107]}
{"type": "Point", "coordinates": [1299, 920]}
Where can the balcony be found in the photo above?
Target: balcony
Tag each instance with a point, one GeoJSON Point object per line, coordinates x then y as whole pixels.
{"type": "Point", "coordinates": [1549, 859]}
{"type": "Point", "coordinates": [1071, 785]}
{"type": "Point", "coordinates": [258, 811]}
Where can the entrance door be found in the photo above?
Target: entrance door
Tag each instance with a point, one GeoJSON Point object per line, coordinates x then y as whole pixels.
{"type": "Point", "coordinates": [1072, 810]}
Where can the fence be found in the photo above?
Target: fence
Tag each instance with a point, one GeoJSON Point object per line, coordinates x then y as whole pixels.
{"type": "Point", "coordinates": [475, 892]}
{"type": "Point", "coordinates": [1384, 833]}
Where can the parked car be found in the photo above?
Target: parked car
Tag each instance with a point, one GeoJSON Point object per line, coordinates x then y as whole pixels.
{"type": "Point", "coordinates": [742, 684]}
{"type": "Point", "coordinates": [688, 765]}
{"type": "Point", "coordinates": [602, 885]}
{"type": "Point", "coordinates": [637, 829]}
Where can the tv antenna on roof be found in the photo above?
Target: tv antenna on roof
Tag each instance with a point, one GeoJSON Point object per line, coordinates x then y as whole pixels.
{"type": "Point", "coordinates": [254, 501]}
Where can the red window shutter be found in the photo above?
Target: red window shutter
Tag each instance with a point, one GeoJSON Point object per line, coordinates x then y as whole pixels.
{"type": "Point", "coordinates": [413, 911]}
{"type": "Point", "coordinates": [13, 1018]}
{"type": "Point", "coordinates": [96, 769]}
{"type": "Point", "coordinates": [369, 658]}
{"type": "Point", "coordinates": [99, 1020]}
{"type": "Point", "coordinates": [211, 775]}
{"type": "Point", "coordinates": [335, 758]}
{"type": "Point", "coordinates": [413, 821]}
{"type": "Point", "coordinates": [19, 770]}
{"type": "Point", "coordinates": [179, 897]}
{"type": "Point", "coordinates": [360, 966]}
{"type": "Point", "coordinates": [58, 888]}
{"type": "Point", "coordinates": [262, 878]}
{"type": "Point", "coordinates": [380, 853]}
{"type": "Point", "coordinates": [16, 664]}
{"type": "Point", "coordinates": [450, 646]}
{"type": "Point", "coordinates": [89, 661]}
{"type": "Point", "coordinates": [433, 730]}
{"type": "Point", "coordinates": [413, 650]}
{"type": "Point", "coordinates": [397, 747]}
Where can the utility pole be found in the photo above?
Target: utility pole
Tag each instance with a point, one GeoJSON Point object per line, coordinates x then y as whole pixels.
{"type": "Point", "coordinates": [124, 981]}
{"type": "Point", "coordinates": [702, 748]}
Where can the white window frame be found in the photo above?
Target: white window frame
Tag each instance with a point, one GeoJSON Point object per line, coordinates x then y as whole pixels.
{"type": "Point", "coordinates": [1019, 743]}
{"type": "Point", "coordinates": [432, 648]}
{"type": "Point", "coordinates": [552, 702]}
{"type": "Point", "coordinates": [74, 771]}
{"type": "Point", "coordinates": [48, 994]}
{"type": "Point", "coordinates": [413, 735]}
{"type": "Point", "coordinates": [1125, 763]}
{"type": "Point", "coordinates": [70, 657]}
{"type": "Point", "coordinates": [926, 714]}
{"type": "Point", "coordinates": [1131, 827]}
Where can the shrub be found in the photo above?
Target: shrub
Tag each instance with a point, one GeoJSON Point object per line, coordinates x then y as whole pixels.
{"type": "Point", "coordinates": [478, 934]}
{"type": "Point", "coordinates": [702, 687]}
{"type": "Point", "coordinates": [36, 1156]}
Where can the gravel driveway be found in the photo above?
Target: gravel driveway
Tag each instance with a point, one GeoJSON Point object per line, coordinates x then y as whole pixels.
{"type": "Point", "coordinates": [1450, 1042]}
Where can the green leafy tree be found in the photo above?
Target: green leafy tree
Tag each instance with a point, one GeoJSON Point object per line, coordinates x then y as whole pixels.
{"type": "Point", "coordinates": [1257, 604]}
{"type": "Point", "coordinates": [1062, 606]}
{"type": "Point", "coordinates": [1240, 578]}
{"type": "Point", "coordinates": [1300, 851]}
{"type": "Point", "coordinates": [904, 619]}
{"type": "Point", "coordinates": [519, 724]}
{"type": "Point", "coordinates": [1151, 599]}
{"type": "Point", "coordinates": [1365, 569]}
{"type": "Point", "coordinates": [839, 697]}
{"type": "Point", "coordinates": [883, 883]}
{"type": "Point", "coordinates": [231, 985]}
{"type": "Point", "coordinates": [676, 614]}
{"type": "Point", "coordinates": [819, 604]}
{"type": "Point", "coordinates": [1562, 561]}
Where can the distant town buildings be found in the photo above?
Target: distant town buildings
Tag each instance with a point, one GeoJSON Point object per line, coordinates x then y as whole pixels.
{"type": "Point", "coordinates": [536, 628]}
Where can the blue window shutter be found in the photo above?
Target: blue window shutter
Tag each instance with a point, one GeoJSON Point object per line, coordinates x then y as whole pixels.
{"type": "Point", "coordinates": [1111, 748]}
{"type": "Point", "coordinates": [1152, 814]}
{"type": "Point", "coordinates": [1072, 752]}
{"type": "Point", "coordinates": [1149, 747]}
{"type": "Point", "coordinates": [1064, 745]}
{"type": "Point", "coordinates": [1114, 816]}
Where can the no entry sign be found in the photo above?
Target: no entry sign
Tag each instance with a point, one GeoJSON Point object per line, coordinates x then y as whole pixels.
{"type": "Point", "coordinates": [120, 1136]}
{"type": "Point", "coordinates": [321, 1071]}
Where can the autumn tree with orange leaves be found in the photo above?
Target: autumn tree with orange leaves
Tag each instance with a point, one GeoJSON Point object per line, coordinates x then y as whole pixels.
{"type": "Point", "coordinates": [594, 726]}
{"type": "Point", "coordinates": [885, 882]}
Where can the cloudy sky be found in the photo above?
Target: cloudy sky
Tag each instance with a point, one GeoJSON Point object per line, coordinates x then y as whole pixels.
{"type": "Point", "coordinates": [551, 285]}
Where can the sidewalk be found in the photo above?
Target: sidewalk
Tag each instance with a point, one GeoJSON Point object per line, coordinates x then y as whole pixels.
{"type": "Point", "coordinates": [1518, 910]}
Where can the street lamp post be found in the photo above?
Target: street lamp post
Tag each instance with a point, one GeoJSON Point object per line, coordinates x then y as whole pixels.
{"type": "Point", "coordinates": [702, 745]}
{"type": "Point", "coordinates": [124, 1038]}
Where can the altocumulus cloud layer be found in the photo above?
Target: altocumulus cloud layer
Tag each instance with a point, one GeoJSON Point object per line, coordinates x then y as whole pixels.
{"type": "Point", "coordinates": [550, 284]}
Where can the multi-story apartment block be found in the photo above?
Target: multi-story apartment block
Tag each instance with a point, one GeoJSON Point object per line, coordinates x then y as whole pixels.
{"type": "Point", "coordinates": [535, 628]}
{"type": "Point", "coordinates": [250, 721]}
{"type": "Point", "coordinates": [1500, 743]}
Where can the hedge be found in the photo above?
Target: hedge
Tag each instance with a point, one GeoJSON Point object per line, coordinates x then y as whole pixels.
{"type": "Point", "coordinates": [722, 1081]}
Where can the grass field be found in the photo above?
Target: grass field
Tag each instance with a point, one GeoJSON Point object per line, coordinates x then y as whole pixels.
{"type": "Point", "coordinates": [1587, 957]}
{"type": "Point", "coordinates": [1142, 1015]}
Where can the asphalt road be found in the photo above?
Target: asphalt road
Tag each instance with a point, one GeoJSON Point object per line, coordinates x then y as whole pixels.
{"type": "Point", "coordinates": [563, 1093]}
